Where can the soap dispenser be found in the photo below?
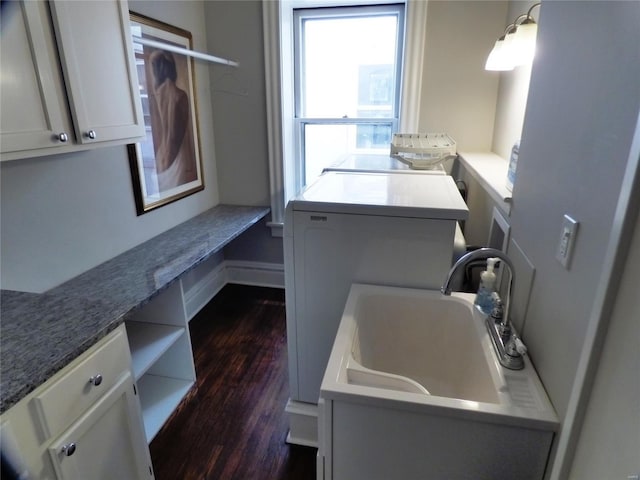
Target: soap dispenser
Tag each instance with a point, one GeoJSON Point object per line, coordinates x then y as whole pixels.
{"type": "Point", "coordinates": [484, 301]}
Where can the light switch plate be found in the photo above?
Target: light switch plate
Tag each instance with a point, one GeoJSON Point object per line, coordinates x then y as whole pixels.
{"type": "Point", "coordinates": [567, 240]}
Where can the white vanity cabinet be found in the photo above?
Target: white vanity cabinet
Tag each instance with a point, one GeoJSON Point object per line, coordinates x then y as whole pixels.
{"type": "Point", "coordinates": [85, 421]}
{"type": "Point", "coordinates": [69, 78]}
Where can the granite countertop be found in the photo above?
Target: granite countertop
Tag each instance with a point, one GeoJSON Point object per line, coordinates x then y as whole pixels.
{"type": "Point", "coordinates": [42, 333]}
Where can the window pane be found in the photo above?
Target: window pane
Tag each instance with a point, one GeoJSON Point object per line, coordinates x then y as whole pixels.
{"type": "Point", "coordinates": [326, 145]}
{"type": "Point", "coordinates": [348, 67]}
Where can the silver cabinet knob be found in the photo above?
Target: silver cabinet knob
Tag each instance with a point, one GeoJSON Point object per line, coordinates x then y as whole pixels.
{"type": "Point", "coordinates": [91, 134]}
{"type": "Point", "coordinates": [63, 137]}
{"type": "Point", "coordinates": [96, 380]}
{"type": "Point", "coordinates": [68, 449]}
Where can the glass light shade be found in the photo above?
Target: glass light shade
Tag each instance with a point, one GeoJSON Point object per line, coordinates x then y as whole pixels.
{"type": "Point", "coordinates": [509, 50]}
{"type": "Point", "coordinates": [497, 59]}
{"type": "Point", "coordinates": [525, 43]}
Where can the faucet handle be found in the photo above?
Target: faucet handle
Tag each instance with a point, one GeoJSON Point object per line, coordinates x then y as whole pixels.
{"type": "Point", "coordinates": [521, 348]}
{"type": "Point", "coordinates": [497, 312]}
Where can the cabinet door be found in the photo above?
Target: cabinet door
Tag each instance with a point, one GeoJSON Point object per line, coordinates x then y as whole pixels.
{"type": "Point", "coordinates": [34, 111]}
{"type": "Point", "coordinates": [106, 442]}
{"type": "Point", "coordinates": [96, 52]}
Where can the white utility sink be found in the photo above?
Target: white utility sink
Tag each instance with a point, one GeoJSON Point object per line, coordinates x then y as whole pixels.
{"type": "Point", "coordinates": [413, 389]}
{"type": "Point", "coordinates": [426, 344]}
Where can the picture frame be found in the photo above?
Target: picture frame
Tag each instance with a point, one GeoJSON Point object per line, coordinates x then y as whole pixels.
{"type": "Point", "coordinates": [167, 165]}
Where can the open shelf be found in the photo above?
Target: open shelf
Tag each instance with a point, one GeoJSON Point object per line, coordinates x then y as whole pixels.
{"type": "Point", "coordinates": [161, 357]}
{"type": "Point", "coordinates": [159, 396]}
{"type": "Point", "coordinates": [148, 342]}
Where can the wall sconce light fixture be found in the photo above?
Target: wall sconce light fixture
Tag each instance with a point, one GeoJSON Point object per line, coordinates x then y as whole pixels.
{"type": "Point", "coordinates": [517, 44]}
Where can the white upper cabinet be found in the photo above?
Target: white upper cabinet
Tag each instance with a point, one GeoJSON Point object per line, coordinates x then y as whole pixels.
{"type": "Point", "coordinates": [96, 52]}
{"type": "Point", "coordinates": [96, 103]}
{"type": "Point", "coordinates": [33, 113]}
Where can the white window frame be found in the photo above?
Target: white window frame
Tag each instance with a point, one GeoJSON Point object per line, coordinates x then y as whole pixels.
{"type": "Point", "coordinates": [279, 81]}
{"type": "Point", "coordinates": [301, 121]}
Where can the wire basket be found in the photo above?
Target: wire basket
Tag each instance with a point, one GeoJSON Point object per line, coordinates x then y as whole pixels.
{"type": "Point", "coordinates": [423, 150]}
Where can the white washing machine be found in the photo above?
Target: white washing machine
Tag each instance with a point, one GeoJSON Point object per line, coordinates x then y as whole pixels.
{"type": "Point", "coordinates": [364, 227]}
{"type": "Point", "coordinates": [391, 164]}
{"type": "Point", "coordinates": [380, 164]}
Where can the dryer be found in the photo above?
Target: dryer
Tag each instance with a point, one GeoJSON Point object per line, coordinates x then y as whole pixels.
{"type": "Point", "coordinates": [358, 227]}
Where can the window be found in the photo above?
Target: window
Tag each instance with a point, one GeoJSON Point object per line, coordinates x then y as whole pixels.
{"type": "Point", "coordinates": [347, 71]}
{"type": "Point", "coordinates": [286, 175]}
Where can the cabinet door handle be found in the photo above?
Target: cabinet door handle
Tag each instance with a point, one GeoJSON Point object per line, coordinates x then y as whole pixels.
{"type": "Point", "coordinates": [63, 137]}
{"type": "Point", "coordinates": [96, 380]}
{"type": "Point", "coordinates": [91, 134]}
{"type": "Point", "coordinates": [68, 449]}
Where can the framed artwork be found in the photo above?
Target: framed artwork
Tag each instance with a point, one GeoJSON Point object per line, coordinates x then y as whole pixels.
{"type": "Point", "coordinates": [167, 165]}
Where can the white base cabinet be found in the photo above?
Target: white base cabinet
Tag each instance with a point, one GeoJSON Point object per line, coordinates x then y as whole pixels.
{"type": "Point", "coordinates": [364, 440]}
{"type": "Point", "coordinates": [106, 442]}
{"type": "Point", "coordinates": [84, 422]}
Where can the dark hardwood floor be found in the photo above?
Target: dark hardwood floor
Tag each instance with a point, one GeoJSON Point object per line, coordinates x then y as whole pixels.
{"type": "Point", "coordinates": [232, 425]}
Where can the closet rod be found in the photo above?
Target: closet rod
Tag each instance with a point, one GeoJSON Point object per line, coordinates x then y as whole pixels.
{"type": "Point", "coordinates": [184, 51]}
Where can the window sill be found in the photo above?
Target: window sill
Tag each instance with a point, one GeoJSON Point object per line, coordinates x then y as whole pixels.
{"type": "Point", "coordinates": [490, 171]}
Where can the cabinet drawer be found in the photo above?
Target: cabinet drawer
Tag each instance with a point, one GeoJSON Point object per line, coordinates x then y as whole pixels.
{"type": "Point", "coordinates": [68, 397]}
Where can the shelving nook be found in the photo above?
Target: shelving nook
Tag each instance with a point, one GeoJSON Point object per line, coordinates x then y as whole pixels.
{"type": "Point", "coordinates": [161, 356]}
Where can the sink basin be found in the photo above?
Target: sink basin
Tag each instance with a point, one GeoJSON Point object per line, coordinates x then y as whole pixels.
{"type": "Point", "coordinates": [413, 381]}
{"type": "Point", "coordinates": [425, 344]}
{"type": "Point", "coordinates": [421, 342]}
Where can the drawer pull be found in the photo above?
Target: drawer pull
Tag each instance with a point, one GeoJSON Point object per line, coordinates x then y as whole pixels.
{"type": "Point", "coordinates": [96, 380]}
{"type": "Point", "coordinates": [68, 449]}
{"type": "Point", "coordinates": [91, 134]}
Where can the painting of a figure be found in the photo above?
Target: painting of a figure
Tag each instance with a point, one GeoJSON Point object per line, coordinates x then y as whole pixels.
{"type": "Point", "coordinates": [166, 165]}
{"type": "Point", "coordinates": [170, 124]}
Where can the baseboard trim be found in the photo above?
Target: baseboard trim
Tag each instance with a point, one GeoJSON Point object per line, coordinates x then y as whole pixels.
{"type": "Point", "coordinates": [303, 423]}
{"type": "Point", "coordinates": [255, 273]}
{"type": "Point", "coordinates": [204, 290]}
{"type": "Point", "coordinates": [231, 271]}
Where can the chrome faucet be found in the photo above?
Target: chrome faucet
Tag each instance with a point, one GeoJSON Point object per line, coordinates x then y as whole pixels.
{"type": "Point", "coordinates": [506, 343]}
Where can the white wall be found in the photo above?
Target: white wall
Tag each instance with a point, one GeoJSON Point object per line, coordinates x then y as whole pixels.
{"type": "Point", "coordinates": [256, 245]}
{"type": "Point", "coordinates": [458, 95]}
{"type": "Point", "coordinates": [239, 103]}
{"type": "Point", "coordinates": [576, 139]}
{"type": "Point", "coordinates": [64, 214]}
{"type": "Point", "coordinates": [610, 437]}
{"type": "Point", "coordinates": [239, 113]}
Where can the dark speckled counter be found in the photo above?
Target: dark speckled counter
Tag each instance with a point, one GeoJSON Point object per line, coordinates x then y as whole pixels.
{"type": "Point", "coordinates": [41, 333]}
